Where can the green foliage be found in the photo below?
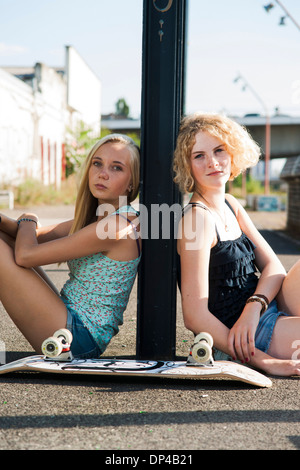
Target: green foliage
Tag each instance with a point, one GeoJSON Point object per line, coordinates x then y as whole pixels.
{"type": "Point", "coordinates": [122, 108]}
{"type": "Point", "coordinates": [79, 143]}
{"type": "Point", "coordinates": [32, 192]}
{"type": "Point", "coordinates": [253, 186]}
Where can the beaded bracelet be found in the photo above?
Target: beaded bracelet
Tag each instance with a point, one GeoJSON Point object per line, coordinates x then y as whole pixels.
{"type": "Point", "coordinates": [25, 219]}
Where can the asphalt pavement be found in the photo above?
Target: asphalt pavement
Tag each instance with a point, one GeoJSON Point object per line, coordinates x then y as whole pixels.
{"type": "Point", "coordinates": [161, 416]}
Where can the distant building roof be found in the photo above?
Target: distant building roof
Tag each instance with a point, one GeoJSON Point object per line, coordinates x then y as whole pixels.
{"type": "Point", "coordinates": [112, 122]}
{"type": "Point", "coordinates": [119, 125]}
{"type": "Point", "coordinates": [19, 70]}
{"type": "Point", "coordinates": [260, 120]}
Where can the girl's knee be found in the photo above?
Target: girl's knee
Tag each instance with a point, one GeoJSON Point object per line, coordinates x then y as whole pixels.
{"type": "Point", "coordinates": [6, 255]}
{"type": "Point", "coordinates": [7, 239]}
{"type": "Point", "coordinates": [294, 272]}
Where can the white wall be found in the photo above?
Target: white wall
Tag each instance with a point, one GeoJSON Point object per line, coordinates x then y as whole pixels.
{"type": "Point", "coordinates": [34, 119]}
{"type": "Point", "coordinates": [84, 89]}
{"type": "Point", "coordinates": [16, 129]}
{"type": "Point", "coordinates": [51, 121]}
{"type": "Point", "coordinates": [29, 117]}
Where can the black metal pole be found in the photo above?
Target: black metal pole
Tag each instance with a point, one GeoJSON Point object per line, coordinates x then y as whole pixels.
{"type": "Point", "coordinates": [162, 108]}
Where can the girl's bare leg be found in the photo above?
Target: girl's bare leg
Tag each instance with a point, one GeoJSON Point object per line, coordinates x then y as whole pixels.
{"type": "Point", "coordinates": [11, 242]}
{"type": "Point", "coordinates": [288, 297]}
{"type": "Point", "coordinates": [46, 278]}
{"type": "Point", "coordinates": [285, 342]}
{"type": "Point", "coordinates": [30, 302]}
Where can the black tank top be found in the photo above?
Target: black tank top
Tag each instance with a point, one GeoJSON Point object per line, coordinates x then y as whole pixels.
{"type": "Point", "coordinates": [232, 275]}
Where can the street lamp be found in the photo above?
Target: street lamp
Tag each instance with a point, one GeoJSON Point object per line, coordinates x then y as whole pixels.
{"type": "Point", "coordinates": [282, 21]}
{"type": "Point", "coordinates": [287, 14]}
{"type": "Point", "coordinates": [246, 86]}
{"type": "Point", "coordinates": [268, 7]}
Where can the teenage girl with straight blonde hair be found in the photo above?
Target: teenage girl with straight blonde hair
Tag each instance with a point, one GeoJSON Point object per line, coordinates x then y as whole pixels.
{"type": "Point", "coordinates": [232, 284]}
{"type": "Point", "coordinates": [102, 248]}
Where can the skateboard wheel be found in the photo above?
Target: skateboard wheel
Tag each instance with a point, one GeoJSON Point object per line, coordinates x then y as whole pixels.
{"type": "Point", "coordinates": [204, 337]}
{"type": "Point", "coordinates": [65, 334]}
{"type": "Point", "coordinates": [201, 352]}
{"type": "Point", "coordinates": [52, 347]}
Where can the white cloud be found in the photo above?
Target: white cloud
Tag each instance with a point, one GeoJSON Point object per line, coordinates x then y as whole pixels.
{"type": "Point", "coordinates": [7, 50]}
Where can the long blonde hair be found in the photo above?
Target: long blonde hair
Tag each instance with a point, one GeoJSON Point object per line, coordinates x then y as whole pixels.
{"type": "Point", "coordinates": [86, 204]}
{"type": "Point", "coordinates": [239, 144]}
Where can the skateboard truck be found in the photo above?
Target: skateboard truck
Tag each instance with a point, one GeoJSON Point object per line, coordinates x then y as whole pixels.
{"type": "Point", "coordinates": [201, 351]}
{"type": "Point", "coordinates": [58, 346]}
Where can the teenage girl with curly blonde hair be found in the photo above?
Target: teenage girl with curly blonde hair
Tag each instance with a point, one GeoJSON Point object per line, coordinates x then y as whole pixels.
{"type": "Point", "coordinates": [232, 284]}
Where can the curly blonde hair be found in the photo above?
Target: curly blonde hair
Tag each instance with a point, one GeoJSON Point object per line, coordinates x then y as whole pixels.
{"type": "Point", "coordinates": [239, 144]}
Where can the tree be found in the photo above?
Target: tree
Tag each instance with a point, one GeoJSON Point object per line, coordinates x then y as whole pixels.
{"type": "Point", "coordinates": [122, 108]}
{"type": "Point", "coordinates": [79, 143]}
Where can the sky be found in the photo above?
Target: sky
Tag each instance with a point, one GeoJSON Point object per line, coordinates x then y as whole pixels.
{"type": "Point", "coordinates": [225, 38]}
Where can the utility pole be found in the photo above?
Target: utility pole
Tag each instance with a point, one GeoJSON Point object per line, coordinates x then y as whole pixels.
{"type": "Point", "coordinates": [164, 23]}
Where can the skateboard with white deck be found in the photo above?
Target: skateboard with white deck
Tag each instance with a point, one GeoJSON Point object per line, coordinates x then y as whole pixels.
{"type": "Point", "coordinates": [58, 359]}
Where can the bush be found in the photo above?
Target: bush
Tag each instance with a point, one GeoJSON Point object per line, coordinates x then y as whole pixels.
{"type": "Point", "coordinates": [33, 192]}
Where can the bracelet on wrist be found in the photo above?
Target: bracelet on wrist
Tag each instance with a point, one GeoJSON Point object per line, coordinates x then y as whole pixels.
{"type": "Point", "coordinates": [261, 299]}
{"type": "Point", "coordinates": [261, 296]}
{"type": "Point", "coordinates": [25, 219]}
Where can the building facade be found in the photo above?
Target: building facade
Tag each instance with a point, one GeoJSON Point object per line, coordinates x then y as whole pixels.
{"type": "Point", "coordinates": [36, 116]}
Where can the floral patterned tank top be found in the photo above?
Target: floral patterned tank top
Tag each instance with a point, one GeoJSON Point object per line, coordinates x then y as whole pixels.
{"type": "Point", "coordinates": [98, 290]}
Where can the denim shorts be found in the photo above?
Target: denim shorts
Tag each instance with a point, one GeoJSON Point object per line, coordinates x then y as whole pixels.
{"type": "Point", "coordinates": [265, 327]}
{"type": "Point", "coordinates": [83, 345]}
{"type": "Point", "coordinates": [264, 332]}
